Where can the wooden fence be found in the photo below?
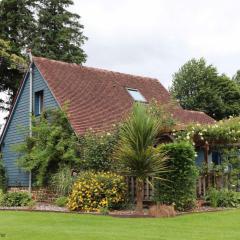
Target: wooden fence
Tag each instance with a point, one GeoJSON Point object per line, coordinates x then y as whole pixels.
{"type": "Point", "coordinates": [213, 179]}
{"type": "Point", "coordinates": [148, 189]}
{"type": "Point", "coordinates": [202, 185]}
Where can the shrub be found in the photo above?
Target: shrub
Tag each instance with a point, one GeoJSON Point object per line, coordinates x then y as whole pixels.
{"type": "Point", "coordinates": [96, 150]}
{"type": "Point", "coordinates": [53, 144]}
{"type": "Point", "coordinates": [61, 201]}
{"type": "Point", "coordinates": [32, 204]}
{"type": "Point", "coordinates": [180, 185]}
{"type": "Point", "coordinates": [16, 199]}
{"type": "Point", "coordinates": [223, 198]}
{"type": "Point", "coordinates": [1, 197]}
{"type": "Point", "coordinates": [62, 181]}
{"type": "Point", "coordinates": [3, 178]}
{"type": "Point", "coordinates": [93, 191]}
{"type": "Point", "coordinates": [104, 210]}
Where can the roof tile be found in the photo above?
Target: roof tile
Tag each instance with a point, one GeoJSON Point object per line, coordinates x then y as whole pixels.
{"type": "Point", "coordinates": [98, 98]}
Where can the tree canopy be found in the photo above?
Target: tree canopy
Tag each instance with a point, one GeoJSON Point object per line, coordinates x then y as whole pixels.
{"type": "Point", "coordinates": [199, 86]}
{"type": "Point", "coordinates": [59, 34]}
{"type": "Point", "coordinates": [17, 23]}
{"type": "Point", "coordinates": [45, 26]}
{"type": "Point", "coordinates": [11, 70]}
{"type": "Point", "coordinates": [236, 77]}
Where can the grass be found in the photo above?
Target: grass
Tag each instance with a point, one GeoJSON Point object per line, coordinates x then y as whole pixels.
{"type": "Point", "coordinates": [37, 225]}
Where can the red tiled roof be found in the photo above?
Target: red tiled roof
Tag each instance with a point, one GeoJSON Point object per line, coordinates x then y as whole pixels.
{"type": "Point", "coordinates": [98, 98]}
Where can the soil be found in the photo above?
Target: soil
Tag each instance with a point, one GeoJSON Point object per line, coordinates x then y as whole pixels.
{"type": "Point", "coordinates": [46, 207]}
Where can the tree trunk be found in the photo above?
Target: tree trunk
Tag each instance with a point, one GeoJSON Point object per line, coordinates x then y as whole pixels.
{"type": "Point", "coordinates": [139, 193]}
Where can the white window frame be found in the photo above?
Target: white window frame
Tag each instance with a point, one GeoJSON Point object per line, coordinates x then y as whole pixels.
{"type": "Point", "coordinates": [144, 100]}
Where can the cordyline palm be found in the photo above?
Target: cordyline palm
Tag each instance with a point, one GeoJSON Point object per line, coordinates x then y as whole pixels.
{"type": "Point", "coordinates": [136, 153]}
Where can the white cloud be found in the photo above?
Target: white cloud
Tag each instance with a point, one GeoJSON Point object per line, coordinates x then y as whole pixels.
{"type": "Point", "coordinates": [155, 37]}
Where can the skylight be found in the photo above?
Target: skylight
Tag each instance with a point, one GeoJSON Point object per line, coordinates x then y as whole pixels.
{"type": "Point", "coordinates": [136, 95]}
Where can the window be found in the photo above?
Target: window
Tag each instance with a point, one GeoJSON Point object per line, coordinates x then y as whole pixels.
{"type": "Point", "coordinates": [38, 103]}
{"type": "Point", "coordinates": [136, 95]}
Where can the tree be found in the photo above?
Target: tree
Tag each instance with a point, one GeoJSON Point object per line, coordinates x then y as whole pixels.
{"type": "Point", "coordinates": [17, 23]}
{"type": "Point", "coordinates": [59, 34]}
{"type": "Point", "coordinates": [198, 86]}
{"type": "Point", "coordinates": [236, 77]}
{"type": "Point", "coordinates": [135, 152]}
{"type": "Point", "coordinates": [52, 146]}
{"type": "Point", "coordinates": [46, 27]}
{"type": "Point", "coordinates": [229, 92]}
{"type": "Point", "coordinates": [11, 71]}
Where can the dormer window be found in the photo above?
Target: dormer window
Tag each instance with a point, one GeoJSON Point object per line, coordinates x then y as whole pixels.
{"type": "Point", "coordinates": [38, 103]}
{"type": "Point", "coordinates": [136, 95]}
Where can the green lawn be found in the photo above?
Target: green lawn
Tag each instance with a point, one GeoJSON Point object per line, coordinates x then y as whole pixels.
{"type": "Point", "coordinates": [34, 225]}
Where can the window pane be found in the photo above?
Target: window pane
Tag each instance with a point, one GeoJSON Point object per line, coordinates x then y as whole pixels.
{"type": "Point", "coordinates": [136, 95]}
{"type": "Point", "coordinates": [38, 103]}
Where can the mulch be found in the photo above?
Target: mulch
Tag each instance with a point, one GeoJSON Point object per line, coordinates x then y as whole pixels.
{"type": "Point", "coordinates": [46, 207]}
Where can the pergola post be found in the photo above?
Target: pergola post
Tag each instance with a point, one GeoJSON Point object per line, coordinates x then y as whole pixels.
{"type": "Point", "coordinates": [206, 152]}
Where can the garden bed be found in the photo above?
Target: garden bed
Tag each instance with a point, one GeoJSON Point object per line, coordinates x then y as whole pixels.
{"type": "Point", "coordinates": [46, 207]}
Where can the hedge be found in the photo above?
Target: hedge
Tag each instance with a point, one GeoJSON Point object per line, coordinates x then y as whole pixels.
{"type": "Point", "coordinates": [179, 187]}
{"type": "Point", "coordinates": [3, 178]}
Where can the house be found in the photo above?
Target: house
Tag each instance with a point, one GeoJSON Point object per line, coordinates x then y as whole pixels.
{"type": "Point", "coordinates": [96, 99]}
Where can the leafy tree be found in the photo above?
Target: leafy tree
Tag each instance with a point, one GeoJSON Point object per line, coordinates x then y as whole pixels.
{"type": "Point", "coordinates": [198, 86]}
{"type": "Point", "coordinates": [17, 26]}
{"type": "Point", "coordinates": [59, 34]}
{"type": "Point", "coordinates": [11, 70]}
{"type": "Point", "coordinates": [236, 77]}
{"type": "Point", "coordinates": [135, 152]}
{"type": "Point", "coordinates": [229, 93]}
{"type": "Point", "coordinates": [46, 27]}
{"type": "Point", "coordinates": [52, 145]}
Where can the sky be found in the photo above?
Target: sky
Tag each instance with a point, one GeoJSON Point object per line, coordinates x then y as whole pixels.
{"type": "Point", "coordinates": [155, 37]}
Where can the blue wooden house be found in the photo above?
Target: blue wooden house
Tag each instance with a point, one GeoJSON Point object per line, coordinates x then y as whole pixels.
{"type": "Point", "coordinates": [96, 99]}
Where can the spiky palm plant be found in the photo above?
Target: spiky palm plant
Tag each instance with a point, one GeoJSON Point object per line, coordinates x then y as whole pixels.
{"type": "Point", "coordinates": [136, 153]}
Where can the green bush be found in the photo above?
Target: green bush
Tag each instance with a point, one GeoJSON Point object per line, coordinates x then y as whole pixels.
{"type": "Point", "coordinates": [223, 198]}
{"type": "Point", "coordinates": [52, 145]}
{"type": "Point", "coordinates": [16, 199]}
{"type": "Point", "coordinates": [3, 178]}
{"type": "Point", "coordinates": [104, 211]}
{"type": "Point", "coordinates": [94, 191]}
{"type": "Point", "coordinates": [180, 185]}
{"type": "Point", "coordinates": [1, 197]}
{"type": "Point", "coordinates": [96, 150]}
{"type": "Point", "coordinates": [62, 181]}
{"type": "Point", "coordinates": [61, 201]}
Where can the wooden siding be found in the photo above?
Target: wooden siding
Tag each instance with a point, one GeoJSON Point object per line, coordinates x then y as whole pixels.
{"type": "Point", "coordinates": [17, 128]}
